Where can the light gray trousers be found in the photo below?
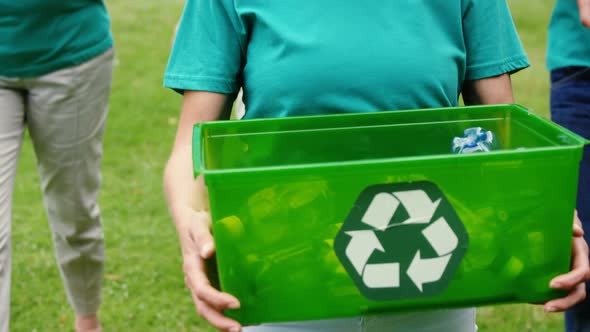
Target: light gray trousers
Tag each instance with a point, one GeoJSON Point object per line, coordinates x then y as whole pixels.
{"type": "Point", "coordinates": [65, 112]}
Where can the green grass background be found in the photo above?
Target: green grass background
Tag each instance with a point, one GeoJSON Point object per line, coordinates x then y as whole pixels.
{"type": "Point", "coordinates": [143, 287]}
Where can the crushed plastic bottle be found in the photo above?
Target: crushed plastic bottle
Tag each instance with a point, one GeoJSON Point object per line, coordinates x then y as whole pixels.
{"type": "Point", "coordinates": [474, 140]}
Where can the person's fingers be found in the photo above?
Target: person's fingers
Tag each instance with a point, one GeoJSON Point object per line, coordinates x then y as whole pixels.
{"type": "Point", "coordinates": [574, 281]}
{"type": "Point", "coordinates": [578, 231]}
{"type": "Point", "coordinates": [197, 282]}
{"type": "Point", "coordinates": [578, 228]}
{"type": "Point", "coordinates": [578, 294]}
{"type": "Point", "coordinates": [214, 317]}
{"type": "Point", "coordinates": [217, 319]}
{"type": "Point", "coordinates": [215, 298]}
{"type": "Point", "coordinates": [580, 271]}
{"type": "Point", "coordinates": [584, 6]}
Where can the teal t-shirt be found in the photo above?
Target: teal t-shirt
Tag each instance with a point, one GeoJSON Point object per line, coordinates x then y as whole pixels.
{"type": "Point", "coordinates": [41, 36]}
{"type": "Point", "coordinates": [330, 56]}
{"type": "Point", "coordinates": [569, 40]}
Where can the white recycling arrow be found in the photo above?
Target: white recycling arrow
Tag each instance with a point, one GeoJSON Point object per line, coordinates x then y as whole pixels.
{"type": "Point", "coordinates": [418, 204]}
{"type": "Point", "coordinates": [361, 247]}
{"type": "Point", "coordinates": [381, 275]}
{"type": "Point", "coordinates": [441, 237]}
{"type": "Point", "coordinates": [380, 211]}
{"type": "Point", "coordinates": [426, 270]}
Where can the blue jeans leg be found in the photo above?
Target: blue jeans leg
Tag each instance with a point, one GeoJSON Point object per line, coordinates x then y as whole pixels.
{"type": "Point", "coordinates": [570, 107]}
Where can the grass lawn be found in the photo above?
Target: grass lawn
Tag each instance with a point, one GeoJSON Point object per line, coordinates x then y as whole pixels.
{"type": "Point", "coordinates": [143, 287]}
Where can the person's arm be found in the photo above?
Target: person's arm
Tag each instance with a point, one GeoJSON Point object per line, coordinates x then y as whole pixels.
{"type": "Point", "coordinates": [189, 206]}
{"type": "Point", "coordinates": [584, 6]}
{"type": "Point", "coordinates": [491, 90]}
{"type": "Point", "coordinates": [498, 90]}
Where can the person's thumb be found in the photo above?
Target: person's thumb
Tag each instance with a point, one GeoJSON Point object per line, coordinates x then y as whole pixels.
{"type": "Point", "coordinates": [207, 248]}
{"type": "Point", "coordinates": [200, 229]}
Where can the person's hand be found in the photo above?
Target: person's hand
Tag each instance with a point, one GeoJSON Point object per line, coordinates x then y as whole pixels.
{"type": "Point", "coordinates": [194, 231]}
{"type": "Point", "coordinates": [573, 281]}
{"type": "Point", "coordinates": [584, 6]}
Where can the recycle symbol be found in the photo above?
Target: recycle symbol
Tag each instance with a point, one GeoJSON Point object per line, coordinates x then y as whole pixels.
{"type": "Point", "coordinates": [401, 241]}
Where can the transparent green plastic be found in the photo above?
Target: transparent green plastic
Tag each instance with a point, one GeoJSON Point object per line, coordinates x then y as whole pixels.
{"type": "Point", "coordinates": [280, 190]}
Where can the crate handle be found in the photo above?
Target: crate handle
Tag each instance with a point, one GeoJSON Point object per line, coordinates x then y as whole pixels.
{"type": "Point", "coordinates": [197, 155]}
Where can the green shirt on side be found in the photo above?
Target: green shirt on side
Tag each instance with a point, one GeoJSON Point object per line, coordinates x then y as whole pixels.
{"type": "Point", "coordinates": [569, 40]}
{"type": "Point", "coordinates": [41, 36]}
{"type": "Point", "coordinates": [330, 56]}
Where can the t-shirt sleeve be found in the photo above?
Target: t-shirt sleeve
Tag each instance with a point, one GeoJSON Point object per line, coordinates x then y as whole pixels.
{"type": "Point", "coordinates": [492, 43]}
{"type": "Point", "coordinates": [207, 54]}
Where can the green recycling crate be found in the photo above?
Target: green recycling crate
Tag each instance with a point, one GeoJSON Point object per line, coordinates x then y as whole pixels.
{"type": "Point", "coordinates": [340, 215]}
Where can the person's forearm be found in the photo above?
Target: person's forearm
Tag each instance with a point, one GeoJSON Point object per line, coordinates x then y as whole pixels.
{"type": "Point", "coordinates": [182, 190]}
{"type": "Point", "coordinates": [492, 90]}
{"type": "Point", "coordinates": [179, 184]}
